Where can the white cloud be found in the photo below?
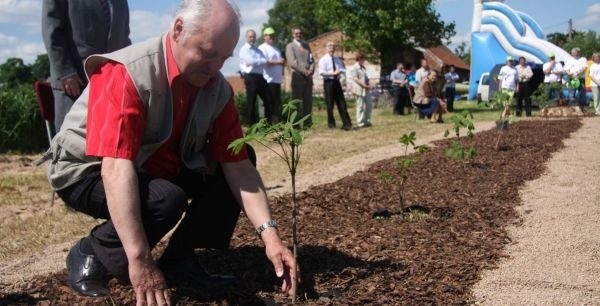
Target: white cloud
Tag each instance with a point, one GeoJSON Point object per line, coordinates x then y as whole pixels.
{"type": "Point", "coordinates": [21, 14]}
{"type": "Point", "coordinates": [592, 17]}
{"type": "Point", "coordinates": [145, 24]}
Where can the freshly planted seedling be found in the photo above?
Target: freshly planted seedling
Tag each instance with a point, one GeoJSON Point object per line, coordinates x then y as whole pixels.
{"type": "Point", "coordinates": [503, 99]}
{"type": "Point", "coordinates": [404, 163]}
{"type": "Point", "coordinates": [457, 147]}
{"type": "Point", "coordinates": [288, 136]}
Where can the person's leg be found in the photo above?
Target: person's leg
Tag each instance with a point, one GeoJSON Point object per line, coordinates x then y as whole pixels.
{"type": "Point", "coordinates": [329, 92]}
{"type": "Point", "coordinates": [581, 97]}
{"type": "Point", "coordinates": [340, 102]}
{"type": "Point", "coordinates": [211, 217]}
{"type": "Point", "coordinates": [275, 90]}
{"type": "Point", "coordinates": [368, 104]}
{"type": "Point", "coordinates": [265, 94]}
{"type": "Point", "coordinates": [360, 111]}
{"type": "Point", "coordinates": [526, 91]}
{"type": "Point", "coordinates": [251, 93]}
{"type": "Point", "coordinates": [520, 98]}
{"type": "Point", "coordinates": [162, 204]}
{"type": "Point", "coordinates": [307, 100]}
{"type": "Point", "coordinates": [596, 99]}
{"type": "Point", "coordinates": [450, 94]}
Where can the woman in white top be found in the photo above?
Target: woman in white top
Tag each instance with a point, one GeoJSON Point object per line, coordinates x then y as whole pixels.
{"type": "Point", "coordinates": [524, 87]}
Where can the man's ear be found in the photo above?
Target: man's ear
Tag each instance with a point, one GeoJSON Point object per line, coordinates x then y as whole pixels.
{"type": "Point", "coordinates": [177, 30]}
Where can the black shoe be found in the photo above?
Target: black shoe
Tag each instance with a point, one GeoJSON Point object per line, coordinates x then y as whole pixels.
{"type": "Point", "coordinates": [189, 269]}
{"type": "Point", "coordinates": [347, 127]}
{"type": "Point", "coordinates": [87, 275]}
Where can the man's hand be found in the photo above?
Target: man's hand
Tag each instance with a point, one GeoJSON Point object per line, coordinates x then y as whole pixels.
{"type": "Point", "coordinates": [71, 85]}
{"type": "Point", "coordinates": [149, 284]}
{"type": "Point", "coordinates": [283, 261]}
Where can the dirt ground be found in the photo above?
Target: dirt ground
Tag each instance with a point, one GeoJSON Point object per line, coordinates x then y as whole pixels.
{"type": "Point", "coordinates": [545, 188]}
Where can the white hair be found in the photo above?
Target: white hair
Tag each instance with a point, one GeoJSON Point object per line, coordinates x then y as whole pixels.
{"type": "Point", "coordinates": [193, 12]}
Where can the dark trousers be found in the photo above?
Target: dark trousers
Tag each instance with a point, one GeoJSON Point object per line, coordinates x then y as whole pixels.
{"type": "Point", "coordinates": [275, 90]}
{"type": "Point", "coordinates": [524, 97]}
{"type": "Point", "coordinates": [400, 99]}
{"type": "Point", "coordinates": [450, 94]}
{"type": "Point", "coordinates": [335, 94]}
{"type": "Point", "coordinates": [302, 89]}
{"type": "Point", "coordinates": [209, 221]}
{"type": "Point", "coordinates": [257, 86]}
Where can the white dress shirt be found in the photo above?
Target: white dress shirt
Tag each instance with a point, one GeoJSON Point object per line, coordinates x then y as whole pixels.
{"type": "Point", "coordinates": [326, 66]}
{"type": "Point", "coordinates": [252, 60]}
{"type": "Point", "coordinates": [272, 73]}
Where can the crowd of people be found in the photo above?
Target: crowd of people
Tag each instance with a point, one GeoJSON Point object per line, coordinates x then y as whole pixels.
{"type": "Point", "coordinates": [570, 75]}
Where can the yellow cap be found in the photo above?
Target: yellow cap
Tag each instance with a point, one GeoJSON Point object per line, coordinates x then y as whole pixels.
{"type": "Point", "coordinates": [509, 58]}
{"type": "Point", "coordinates": [268, 31]}
{"type": "Point", "coordinates": [551, 54]}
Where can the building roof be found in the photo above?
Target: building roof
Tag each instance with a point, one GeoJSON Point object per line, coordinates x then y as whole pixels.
{"type": "Point", "coordinates": [442, 54]}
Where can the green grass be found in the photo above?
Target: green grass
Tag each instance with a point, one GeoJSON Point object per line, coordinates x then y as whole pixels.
{"type": "Point", "coordinates": [24, 189]}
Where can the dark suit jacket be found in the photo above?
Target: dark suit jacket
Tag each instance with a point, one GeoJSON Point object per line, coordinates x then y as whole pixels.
{"type": "Point", "coordinates": [74, 30]}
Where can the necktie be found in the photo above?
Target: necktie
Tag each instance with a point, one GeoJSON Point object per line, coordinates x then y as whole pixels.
{"type": "Point", "coordinates": [333, 62]}
{"type": "Point", "coordinates": [106, 11]}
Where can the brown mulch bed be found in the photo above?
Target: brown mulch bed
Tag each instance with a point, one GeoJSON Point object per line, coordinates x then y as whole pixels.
{"type": "Point", "coordinates": [349, 258]}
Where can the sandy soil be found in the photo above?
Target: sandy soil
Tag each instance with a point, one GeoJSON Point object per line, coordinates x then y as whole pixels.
{"type": "Point", "coordinates": [555, 255]}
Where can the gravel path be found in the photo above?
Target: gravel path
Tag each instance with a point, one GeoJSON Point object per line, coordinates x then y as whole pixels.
{"type": "Point", "coordinates": [555, 255]}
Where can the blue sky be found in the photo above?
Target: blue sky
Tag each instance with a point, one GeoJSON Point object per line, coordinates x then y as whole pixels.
{"type": "Point", "coordinates": [20, 20]}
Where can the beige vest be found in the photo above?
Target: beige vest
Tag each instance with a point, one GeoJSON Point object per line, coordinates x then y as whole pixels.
{"type": "Point", "coordinates": [146, 64]}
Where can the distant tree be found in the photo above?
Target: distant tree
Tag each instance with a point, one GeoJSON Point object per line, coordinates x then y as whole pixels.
{"type": "Point", "coordinates": [381, 28]}
{"type": "Point", "coordinates": [40, 69]}
{"type": "Point", "coordinates": [286, 14]}
{"type": "Point", "coordinates": [14, 72]}
{"type": "Point", "coordinates": [588, 42]}
{"type": "Point", "coordinates": [378, 28]}
{"type": "Point", "coordinates": [464, 52]}
{"type": "Point", "coordinates": [557, 38]}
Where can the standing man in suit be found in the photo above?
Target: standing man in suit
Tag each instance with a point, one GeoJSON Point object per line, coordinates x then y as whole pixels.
{"type": "Point", "coordinates": [74, 30]}
{"type": "Point", "coordinates": [331, 68]}
{"type": "Point", "coordinates": [301, 62]}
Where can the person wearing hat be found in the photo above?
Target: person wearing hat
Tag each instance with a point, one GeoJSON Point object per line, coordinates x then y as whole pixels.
{"type": "Point", "coordinates": [553, 71]}
{"type": "Point", "coordinates": [507, 81]}
{"type": "Point", "coordinates": [575, 68]}
{"type": "Point", "coordinates": [273, 72]}
{"type": "Point", "coordinates": [252, 66]}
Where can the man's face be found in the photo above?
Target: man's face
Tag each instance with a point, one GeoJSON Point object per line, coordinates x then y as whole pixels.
{"type": "Point", "coordinates": [425, 64]}
{"type": "Point", "coordinates": [268, 39]}
{"type": "Point", "coordinates": [400, 67]}
{"type": "Point", "coordinates": [330, 48]}
{"type": "Point", "coordinates": [297, 34]}
{"type": "Point", "coordinates": [251, 37]}
{"type": "Point", "coordinates": [575, 53]}
{"type": "Point", "coordinates": [432, 76]}
{"type": "Point", "coordinates": [201, 54]}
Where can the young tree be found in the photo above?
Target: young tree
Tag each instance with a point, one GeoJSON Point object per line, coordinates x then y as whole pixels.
{"type": "Point", "coordinates": [288, 135]}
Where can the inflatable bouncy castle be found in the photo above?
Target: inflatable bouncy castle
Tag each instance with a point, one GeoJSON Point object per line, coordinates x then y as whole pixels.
{"type": "Point", "coordinates": [499, 31]}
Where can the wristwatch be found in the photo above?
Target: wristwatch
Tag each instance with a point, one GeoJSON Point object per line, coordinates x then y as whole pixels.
{"type": "Point", "coordinates": [264, 226]}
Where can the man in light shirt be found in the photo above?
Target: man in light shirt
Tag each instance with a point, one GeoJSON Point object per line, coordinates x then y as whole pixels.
{"type": "Point", "coordinates": [553, 71]}
{"type": "Point", "coordinates": [252, 66]}
{"type": "Point", "coordinates": [273, 72]}
{"type": "Point", "coordinates": [507, 82]}
{"type": "Point", "coordinates": [331, 68]}
{"type": "Point", "coordinates": [575, 68]}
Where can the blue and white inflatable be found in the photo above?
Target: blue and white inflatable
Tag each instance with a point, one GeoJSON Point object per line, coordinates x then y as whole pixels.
{"type": "Point", "coordinates": [499, 31]}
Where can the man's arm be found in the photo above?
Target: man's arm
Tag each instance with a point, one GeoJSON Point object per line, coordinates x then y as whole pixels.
{"type": "Point", "coordinates": [248, 189]}
{"type": "Point", "coordinates": [122, 197]}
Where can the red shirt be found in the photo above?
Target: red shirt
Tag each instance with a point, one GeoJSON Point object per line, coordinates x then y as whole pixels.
{"type": "Point", "coordinates": [116, 120]}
